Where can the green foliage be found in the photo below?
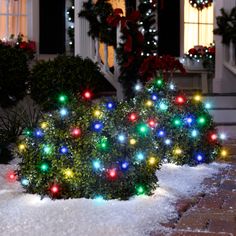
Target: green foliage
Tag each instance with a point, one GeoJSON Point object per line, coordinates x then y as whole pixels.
{"type": "Point", "coordinates": [14, 73]}
{"type": "Point", "coordinates": [226, 26]}
{"type": "Point", "coordinates": [113, 149]}
{"type": "Point", "coordinates": [96, 14]}
{"type": "Point", "coordinates": [64, 73]}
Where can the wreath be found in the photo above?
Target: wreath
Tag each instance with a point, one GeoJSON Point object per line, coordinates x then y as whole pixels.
{"type": "Point", "coordinates": [200, 4]}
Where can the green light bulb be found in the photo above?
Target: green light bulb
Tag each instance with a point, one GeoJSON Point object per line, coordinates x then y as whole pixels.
{"type": "Point", "coordinates": [143, 129]}
{"type": "Point", "coordinates": [201, 120]}
{"type": "Point", "coordinates": [44, 167]}
{"type": "Point", "coordinates": [140, 190]}
{"type": "Point", "coordinates": [177, 122]}
{"type": "Point", "coordinates": [47, 149]}
{"type": "Point", "coordinates": [159, 82]}
{"type": "Point", "coordinates": [62, 98]}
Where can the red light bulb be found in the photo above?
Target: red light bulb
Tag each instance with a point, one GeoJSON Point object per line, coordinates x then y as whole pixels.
{"type": "Point", "coordinates": [11, 176]}
{"type": "Point", "coordinates": [87, 94]}
{"type": "Point", "coordinates": [180, 100]}
{"type": "Point", "coordinates": [133, 117]}
{"type": "Point", "coordinates": [76, 132]}
{"type": "Point", "coordinates": [213, 137]}
{"type": "Point", "coordinates": [152, 123]}
{"type": "Point", "coordinates": [54, 189]}
{"type": "Point", "coordinates": [112, 173]}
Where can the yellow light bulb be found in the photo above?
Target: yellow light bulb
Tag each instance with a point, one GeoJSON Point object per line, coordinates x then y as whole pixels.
{"type": "Point", "coordinates": [97, 113]}
{"type": "Point", "coordinates": [68, 173]}
{"type": "Point", "coordinates": [22, 147]}
{"type": "Point", "coordinates": [197, 98]}
{"type": "Point", "coordinates": [224, 153]}
{"type": "Point", "coordinates": [44, 125]}
{"type": "Point", "coordinates": [177, 151]}
{"type": "Point", "coordinates": [149, 103]}
{"type": "Point", "coordinates": [152, 160]}
{"type": "Point", "coordinates": [132, 141]}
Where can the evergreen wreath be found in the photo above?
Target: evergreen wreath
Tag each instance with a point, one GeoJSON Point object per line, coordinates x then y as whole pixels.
{"type": "Point", "coordinates": [97, 15]}
{"type": "Point", "coordinates": [200, 4]}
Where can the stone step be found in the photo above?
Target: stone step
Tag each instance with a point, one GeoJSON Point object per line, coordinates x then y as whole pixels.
{"type": "Point", "coordinates": [224, 116]}
{"type": "Point", "coordinates": [221, 101]}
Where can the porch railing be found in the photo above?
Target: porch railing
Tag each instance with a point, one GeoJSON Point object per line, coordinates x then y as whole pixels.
{"type": "Point", "coordinates": [230, 57]}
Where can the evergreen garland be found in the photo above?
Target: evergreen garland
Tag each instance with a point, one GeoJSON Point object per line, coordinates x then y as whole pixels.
{"type": "Point", "coordinates": [97, 14]}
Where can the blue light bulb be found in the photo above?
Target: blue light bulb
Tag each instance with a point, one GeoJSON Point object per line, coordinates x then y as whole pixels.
{"type": "Point", "coordinates": [124, 165]}
{"type": "Point", "coordinates": [199, 157]}
{"type": "Point", "coordinates": [97, 126]}
{"type": "Point", "coordinates": [24, 182]}
{"type": "Point", "coordinates": [194, 133]}
{"type": "Point", "coordinates": [154, 97]}
{"type": "Point", "coordinates": [167, 141]}
{"type": "Point", "coordinates": [63, 112]}
{"type": "Point", "coordinates": [110, 106]}
{"type": "Point", "coordinates": [163, 106]}
{"type": "Point", "coordinates": [96, 164]}
{"type": "Point", "coordinates": [39, 133]}
{"type": "Point", "coordinates": [121, 138]}
{"type": "Point", "coordinates": [63, 150]}
{"type": "Point", "coordinates": [160, 133]}
{"type": "Point", "coordinates": [140, 156]}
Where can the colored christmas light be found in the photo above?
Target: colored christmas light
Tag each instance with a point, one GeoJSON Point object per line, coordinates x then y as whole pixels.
{"type": "Point", "coordinates": [63, 112]}
{"type": "Point", "coordinates": [140, 190]}
{"type": "Point", "coordinates": [11, 176]}
{"type": "Point", "coordinates": [133, 117]}
{"type": "Point", "coordinates": [124, 165]}
{"type": "Point", "coordinates": [87, 94]}
{"type": "Point", "coordinates": [189, 120]}
{"type": "Point", "coordinates": [63, 99]}
{"type": "Point", "coordinates": [152, 160]}
{"type": "Point", "coordinates": [22, 147]}
{"type": "Point", "coordinates": [47, 149]}
{"type": "Point", "coordinates": [163, 106]}
{"type": "Point", "coordinates": [44, 167]}
{"type": "Point", "coordinates": [149, 103]}
{"type": "Point", "coordinates": [27, 132]}
{"type": "Point", "coordinates": [140, 156]}
{"type": "Point", "coordinates": [160, 133]}
{"type": "Point", "coordinates": [143, 129]}
{"type": "Point", "coordinates": [54, 189]}
{"type": "Point", "coordinates": [201, 120]}
{"type": "Point", "coordinates": [132, 141]}
{"type": "Point", "coordinates": [207, 105]}
{"type": "Point", "coordinates": [167, 141]}
{"type": "Point", "coordinates": [24, 182]}
{"type": "Point", "coordinates": [159, 83]}
{"type": "Point", "coordinates": [177, 151]}
{"type": "Point", "coordinates": [177, 122]}
{"type": "Point", "coordinates": [121, 138]}
{"type": "Point", "coordinates": [152, 123]}
{"type": "Point", "coordinates": [110, 105]}
{"type": "Point", "coordinates": [172, 86]}
{"type": "Point", "coordinates": [199, 157]}
{"type": "Point", "coordinates": [197, 98]}
{"type": "Point", "coordinates": [138, 87]}
{"type": "Point", "coordinates": [44, 125]}
{"type": "Point", "coordinates": [223, 136]}
{"type": "Point", "coordinates": [154, 97]}
{"type": "Point", "coordinates": [96, 164]}
{"type": "Point", "coordinates": [194, 133]}
{"type": "Point", "coordinates": [180, 100]}
{"type": "Point", "coordinates": [99, 198]}
{"type": "Point", "coordinates": [97, 113]}
{"type": "Point", "coordinates": [97, 126]}
{"type": "Point", "coordinates": [214, 137]}
{"type": "Point", "coordinates": [39, 133]}
{"type": "Point", "coordinates": [68, 173]}
{"type": "Point", "coordinates": [112, 173]}
{"type": "Point", "coordinates": [63, 150]}
{"type": "Point", "coordinates": [224, 153]}
{"type": "Point", "coordinates": [76, 132]}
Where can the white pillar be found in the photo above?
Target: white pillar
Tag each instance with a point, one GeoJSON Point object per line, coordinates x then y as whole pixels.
{"type": "Point", "coordinates": [84, 45]}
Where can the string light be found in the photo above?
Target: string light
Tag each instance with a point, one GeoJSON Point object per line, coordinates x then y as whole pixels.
{"type": "Point", "coordinates": [110, 106]}
{"type": "Point", "coordinates": [96, 164]}
{"type": "Point", "coordinates": [47, 149]}
{"type": "Point", "coordinates": [133, 117]}
{"type": "Point", "coordinates": [39, 133]}
{"type": "Point", "coordinates": [180, 100]}
{"type": "Point", "coordinates": [124, 165]}
{"type": "Point", "coordinates": [223, 153]}
{"type": "Point", "coordinates": [152, 161]}
{"type": "Point", "coordinates": [140, 190]}
{"type": "Point", "coordinates": [76, 132]}
{"type": "Point", "coordinates": [63, 99]}
{"type": "Point", "coordinates": [68, 173]}
{"type": "Point", "coordinates": [54, 189]}
{"type": "Point", "coordinates": [24, 182]}
{"type": "Point", "coordinates": [177, 151]}
{"type": "Point", "coordinates": [149, 103]}
{"type": "Point", "coordinates": [97, 113]}
{"type": "Point", "coordinates": [160, 133]}
{"type": "Point", "coordinates": [121, 138]}
{"type": "Point", "coordinates": [97, 126]}
{"type": "Point", "coordinates": [87, 94]}
{"type": "Point", "coordinates": [112, 173]}
{"type": "Point", "coordinates": [140, 156]}
{"type": "Point", "coordinates": [194, 133]}
{"type": "Point", "coordinates": [132, 141]}
{"type": "Point", "coordinates": [22, 147]}
{"type": "Point", "coordinates": [64, 150]}
{"type": "Point", "coordinates": [197, 98]}
{"type": "Point", "coordinates": [44, 125]}
{"type": "Point", "coordinates": [63, 112]}
{"type": "Point", "coordinates": [44, 167]}
{"type": "Point", "coordinates": [152, 123]}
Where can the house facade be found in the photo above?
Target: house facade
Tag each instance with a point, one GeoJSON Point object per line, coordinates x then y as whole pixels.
{"type": "Point", "coordinates": [180, 27]}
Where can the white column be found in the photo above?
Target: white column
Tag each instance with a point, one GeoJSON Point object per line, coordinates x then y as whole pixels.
{"type": "Point", "coordinates": [84, 45]}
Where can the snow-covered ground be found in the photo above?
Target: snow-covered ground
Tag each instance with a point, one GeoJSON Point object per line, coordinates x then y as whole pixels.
{"type": "Point", "coordinates": [26, 215]}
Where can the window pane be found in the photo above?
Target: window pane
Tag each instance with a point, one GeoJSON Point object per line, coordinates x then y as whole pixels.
{"type": "Point", "coordinates": [205, 35]}
{"type": "Point", "coordinates": [3, 27]}
{"type": "Point", "coordinates": [13, 6]}
{"type": "Point", "coordinates": [23, 26]}
{"type": "Point", "coordinates": [190, 36]}
{"type": "Point", "coordinates": [12, 27]}
{"type": "Point", "coordinates": [23, 7]}
{"type": "Point", "coordinates": [190, 13]}
{"type": "Point", "coordinates": [3, 6]}
{"type": "Point", "coordinates": [206, 15]}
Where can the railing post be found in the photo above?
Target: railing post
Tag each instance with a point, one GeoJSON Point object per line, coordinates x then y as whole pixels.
{"type": "Point", "coordinates": [232, 54]}
{"type": "Point", "coordinates": [97, 53]}
{"type": "Point", "coordinates": [106, 66]}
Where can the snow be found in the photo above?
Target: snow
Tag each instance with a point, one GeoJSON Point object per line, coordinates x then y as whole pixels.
{"type": "Point", "coordinates": [24, 214]}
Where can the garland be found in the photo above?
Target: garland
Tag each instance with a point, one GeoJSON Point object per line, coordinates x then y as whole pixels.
{"type": "Point", "coordinates": [71, 31]}
{"type": "Point", "coordinates": [97, 14]}
{"type": "Point", "coordinates": [200, 4]}
{"type": "Point", "coordinates": [226, 26]}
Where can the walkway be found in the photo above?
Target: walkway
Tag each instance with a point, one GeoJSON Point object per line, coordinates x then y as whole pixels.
{"type": "Point", "coordinates": [209, 214]}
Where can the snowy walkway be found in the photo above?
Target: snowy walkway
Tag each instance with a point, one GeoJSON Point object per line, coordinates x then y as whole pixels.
{"type": "Point", "coordinates": [26, 215]}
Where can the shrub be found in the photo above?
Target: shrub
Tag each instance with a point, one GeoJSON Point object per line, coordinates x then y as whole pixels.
{"type": "Point", "coordinates": [65, 73]}
{"type": "Point", "coordinates": [14, 73]}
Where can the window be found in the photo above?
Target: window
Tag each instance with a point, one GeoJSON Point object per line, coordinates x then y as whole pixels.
{"type": "Point", "coordinates": [13, 18]}
{"type": "Point", "coordinates": [198, 26]}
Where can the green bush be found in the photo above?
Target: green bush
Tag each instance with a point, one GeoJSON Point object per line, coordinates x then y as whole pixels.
{"type": "Point", "coordinates": [14, 73]}
{"type": "Point", "coordinates": [65, 73]}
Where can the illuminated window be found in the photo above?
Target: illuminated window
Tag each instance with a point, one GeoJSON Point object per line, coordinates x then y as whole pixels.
{"type": "Point", "coordinates": [13, 18]}
{"type": "Point", "coordinates": [198, 26]}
